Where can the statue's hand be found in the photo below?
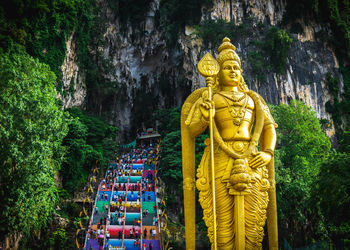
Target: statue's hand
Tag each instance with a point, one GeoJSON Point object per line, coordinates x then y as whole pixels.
{"type": "Point", "coordinates": [205, 106]}
{"type": "Point", "coordinates": [260, 159]}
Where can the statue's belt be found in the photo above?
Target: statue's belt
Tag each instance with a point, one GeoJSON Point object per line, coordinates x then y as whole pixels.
{"type": "Point", "coordinates": [224, 172]}
{"type": "Point", "coordinates": [238, 146]}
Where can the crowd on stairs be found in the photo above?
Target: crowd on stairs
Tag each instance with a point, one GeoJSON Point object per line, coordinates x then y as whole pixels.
{"type": "Point", "coordinates": [126, 212]}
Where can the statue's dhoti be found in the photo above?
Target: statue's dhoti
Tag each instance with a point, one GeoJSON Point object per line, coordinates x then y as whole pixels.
{"type": "Point", "coordinates": [255, 199]}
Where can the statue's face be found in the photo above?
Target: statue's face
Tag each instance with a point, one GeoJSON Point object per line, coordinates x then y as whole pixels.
{"type": "Point", "coordinates": [230, 73]}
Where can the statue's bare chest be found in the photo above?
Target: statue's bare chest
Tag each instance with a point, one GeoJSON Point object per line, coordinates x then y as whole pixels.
{"type": "Point", "coordinates": [236, 105]}
{"type": "Point", "coordinates": [234, 115]}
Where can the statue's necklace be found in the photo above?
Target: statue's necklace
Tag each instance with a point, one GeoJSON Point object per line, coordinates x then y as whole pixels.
{"type": "Point", "coordinates": [233, 98]}
{"type": "Point", "coordinates": [237, 115]}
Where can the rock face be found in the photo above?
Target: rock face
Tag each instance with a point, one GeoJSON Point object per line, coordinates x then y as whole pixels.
{"type": "Point", "coordinates": [74, 88]}
{"type": "Point", "coordinates": [142, 61]}
{"type": "Point", "coordinates": [234, 10]}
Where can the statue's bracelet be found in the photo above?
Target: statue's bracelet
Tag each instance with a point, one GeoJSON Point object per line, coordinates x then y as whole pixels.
{"type": "Point", "coordinates": [270, 151]}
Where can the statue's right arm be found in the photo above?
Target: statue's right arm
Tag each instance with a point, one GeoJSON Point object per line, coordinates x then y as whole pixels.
{"type": "Point", "coordinates": [198, 122]}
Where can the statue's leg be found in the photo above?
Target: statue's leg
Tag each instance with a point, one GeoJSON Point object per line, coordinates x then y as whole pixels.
{"type": "Point", "coordinates": [225, 220]}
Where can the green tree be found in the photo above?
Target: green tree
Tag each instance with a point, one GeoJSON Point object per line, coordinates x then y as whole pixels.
{"type": "Point", "coordinates": [301, 149]}
{"type": "Point", "coordinates": [77, 152]}
{"type": "Point", "coordinates": [169, 120]}
{"type": "Point", "coordinates": [89, 139]}
{"type": "Point", "coordinates": [170, 169]}
{"type": "Point", "coordinates": [170, 166]}
{"type": "Point", "coordinates": [333, 195]}
{"type": "Point", "coordinates": [59, 239]}
{"type": "Point", "coordinates": [32, 126]}
{"type": "Point", "coordinates": [43, 27]}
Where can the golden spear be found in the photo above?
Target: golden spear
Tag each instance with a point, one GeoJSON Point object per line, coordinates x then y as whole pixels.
{"type": "Point", "coordinates": [209, 68]}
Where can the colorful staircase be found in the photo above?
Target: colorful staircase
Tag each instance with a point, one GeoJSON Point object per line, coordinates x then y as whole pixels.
{"type": "Point", "coordinates": [126, 212]}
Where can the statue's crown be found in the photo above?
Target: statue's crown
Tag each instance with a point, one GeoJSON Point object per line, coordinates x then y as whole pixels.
{"type": "Point", "coordinates": [227, 52]}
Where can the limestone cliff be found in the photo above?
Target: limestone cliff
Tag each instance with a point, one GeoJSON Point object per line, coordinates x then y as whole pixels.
{"type": "Point", "coordinates": [72, 77]}
{"type": "Point", "coordinates": [142, 60]}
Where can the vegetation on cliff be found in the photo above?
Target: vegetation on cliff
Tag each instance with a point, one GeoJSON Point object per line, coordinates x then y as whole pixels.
{"type": "Point", "coordinates": [44, 27]}
{"type": "Point", "coordinates": [176, 14]}
{"type": "Point", "coordinates": [89, 141]}
{"type": "Point", "coordinates": [31, 132]}
{"type": "Point", "coordinates": [38, 138]}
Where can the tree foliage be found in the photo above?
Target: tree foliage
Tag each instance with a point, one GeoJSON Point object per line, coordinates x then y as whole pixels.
{"type": "Point", "coordinates": [43, 27]}
{"type": "Point", "coordinates": [333, 194]}
{"type": "Point", "coordinates": [276, 44]}
{"type": "Point", "coordinates": [170, 168]}
{"type": "Point", "coordinates": [301, 149]}
{"type": "Point", "coordinates": [339, 108]}
{"type": "Point", "coordinates": [257, 63]}
{"type": "Point", "coordinates": [32, 127]}
{"type": "Point", "coordinates": [89, 140]}
{"type": "Point", "coordinates": [213, 31]}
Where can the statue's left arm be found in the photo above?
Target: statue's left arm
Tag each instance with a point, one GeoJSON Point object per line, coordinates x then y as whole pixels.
{"type": "Point", "coordinates": [268, 135]}
{"type": "Point", "coordinates": [267, 141]}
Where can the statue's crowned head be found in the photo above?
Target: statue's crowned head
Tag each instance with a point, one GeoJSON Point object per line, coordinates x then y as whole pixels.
{"type": "Point", "coordinates": [227, 52]}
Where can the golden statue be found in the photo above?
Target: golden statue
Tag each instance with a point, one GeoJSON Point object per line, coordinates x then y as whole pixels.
{"type": "Point", "coordinates": [244, 186]}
